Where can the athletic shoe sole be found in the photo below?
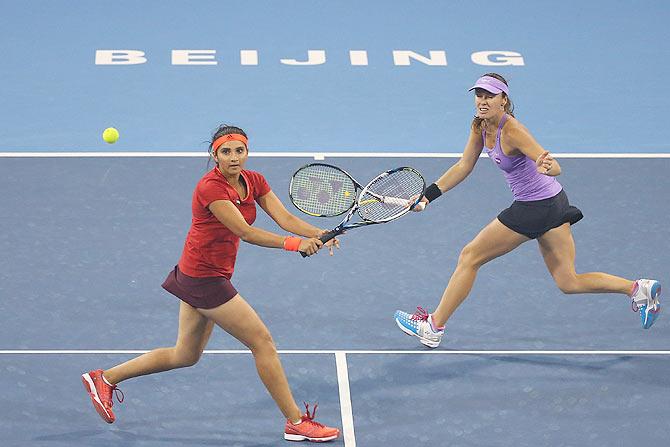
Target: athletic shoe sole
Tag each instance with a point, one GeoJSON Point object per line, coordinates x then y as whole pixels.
{"type": "Point", "coordinates": [95, 398]}
{"type": "Point", "coordinates": [289, 437]}
{"type": "Point", "coordinates": [650, 316]}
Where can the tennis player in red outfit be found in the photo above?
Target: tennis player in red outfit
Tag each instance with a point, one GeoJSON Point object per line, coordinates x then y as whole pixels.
{"type": "Point", "coordinates": [224, 209]}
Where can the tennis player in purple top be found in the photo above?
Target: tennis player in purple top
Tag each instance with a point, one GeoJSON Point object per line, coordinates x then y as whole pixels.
{"type": "Point", "coordinates": [540, 210]}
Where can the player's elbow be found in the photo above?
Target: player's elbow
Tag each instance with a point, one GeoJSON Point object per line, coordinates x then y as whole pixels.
{"type": "Point", "coordinates": [465, 167]}
{"type": "Point", "coordinates": [246, 233]}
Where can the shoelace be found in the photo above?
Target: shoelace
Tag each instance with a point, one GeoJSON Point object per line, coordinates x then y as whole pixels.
{"type": "Point", "coordinates": [107, 398]}
{"type": "Point", "coordinates": [117, 391]}
{"type": "Point", "coordinates": [310, 417]}
{"type": "Point", "coordinates": [420, 314]}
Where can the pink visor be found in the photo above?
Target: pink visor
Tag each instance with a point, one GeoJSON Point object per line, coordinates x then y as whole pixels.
{"type": "Point", "coordinates": [491, 84]}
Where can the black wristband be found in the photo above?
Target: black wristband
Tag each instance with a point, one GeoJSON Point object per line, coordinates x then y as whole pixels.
{"type": "Point", "coordinates": [432, 192]}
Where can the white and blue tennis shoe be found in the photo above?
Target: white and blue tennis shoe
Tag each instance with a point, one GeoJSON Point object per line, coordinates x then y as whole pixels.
{"type": "Point", "coordinates": [646, 300]}
{"type": "Point", "coordinates": [419, 325]}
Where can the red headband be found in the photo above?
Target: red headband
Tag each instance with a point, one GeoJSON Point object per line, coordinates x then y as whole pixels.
{"type": "Point", "coordinates": [229, 137]}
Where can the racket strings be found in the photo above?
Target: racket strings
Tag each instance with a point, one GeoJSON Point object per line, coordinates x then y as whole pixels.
{"type": "Point", "coordinates": [322, 190]}
{"type": "Point", "coordinates": [404, 184]}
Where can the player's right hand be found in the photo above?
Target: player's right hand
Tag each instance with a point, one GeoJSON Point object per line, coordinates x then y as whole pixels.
{"type": "Point", "coordinates": [310, 246]}
{"type": "Point", "coordinates": [421, 205]}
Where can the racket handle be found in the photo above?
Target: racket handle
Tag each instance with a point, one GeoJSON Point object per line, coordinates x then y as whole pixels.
{"type": "Point", "coordinates": [397, 201]}
{"type": "Point", "coordinates": [323, 238]}
{"type": "Point", "coordinates": [328, 236]}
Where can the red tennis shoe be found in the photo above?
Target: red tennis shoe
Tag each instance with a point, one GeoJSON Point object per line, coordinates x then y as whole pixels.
{"type": "Point", "coordinates": [101, 394]}
{"type": "Point", "coordinates": [309, 430]}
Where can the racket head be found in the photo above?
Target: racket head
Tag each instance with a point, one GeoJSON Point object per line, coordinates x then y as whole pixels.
{"type": "Point", "coordinates": [391, 194]}
{"type": "Point", "coordinates": [322, 190]}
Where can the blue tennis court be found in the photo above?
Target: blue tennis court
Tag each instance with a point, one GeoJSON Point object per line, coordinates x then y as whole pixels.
{"type": "Point", "coordinates": [90, 230]}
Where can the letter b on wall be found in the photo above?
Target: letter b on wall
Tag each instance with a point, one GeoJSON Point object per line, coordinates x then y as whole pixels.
{"type": "Point", "coordinates": [119, 57]}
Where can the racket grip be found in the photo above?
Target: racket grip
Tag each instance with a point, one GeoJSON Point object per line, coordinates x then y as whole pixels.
{"type": "Point", "coordinates": [328, 236]}
{"type": "Point", "coordinates": [397, 201]}
{"type": "Point", "coordinates": [323, 238]}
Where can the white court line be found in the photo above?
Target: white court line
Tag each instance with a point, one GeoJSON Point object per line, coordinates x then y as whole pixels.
{"type": "Point", "coordinates": [346, 407]}
{"type": "Point", "coordinates": [314, 155]}
{"type": "Point", "coordinates": [345, 400]}
{"type": "Point", "coordinates": [352, 352]}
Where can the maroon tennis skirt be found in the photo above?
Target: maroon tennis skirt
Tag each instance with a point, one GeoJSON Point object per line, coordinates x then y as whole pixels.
{"type": "Point", "coordinates": [203, 293]}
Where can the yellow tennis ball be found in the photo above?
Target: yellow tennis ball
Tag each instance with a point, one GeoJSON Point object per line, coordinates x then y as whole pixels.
{"type": "Point", "coordinates": [110, 135]}
{"type": "Point", "coordinates": [347, 193]}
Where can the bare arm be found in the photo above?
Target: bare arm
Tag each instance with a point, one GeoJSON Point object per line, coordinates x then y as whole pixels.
{"type": "Point", "coordinates": [518, 137]}
{"type": "Point", "coordinates": [230, 216]}
{"type": "Point", "coordinates": [287, 221]}
{"type": "Point", "coordinates": [463, 167]}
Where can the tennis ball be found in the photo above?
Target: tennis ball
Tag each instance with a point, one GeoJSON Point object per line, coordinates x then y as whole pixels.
{"type": "Point", "coordinates": [110, 135]}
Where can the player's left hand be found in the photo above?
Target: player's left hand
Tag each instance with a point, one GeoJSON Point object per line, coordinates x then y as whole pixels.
{"type": "Point", "coordinates": [331, 244]}
{"type": "Point", "coordinates": [544, 162]}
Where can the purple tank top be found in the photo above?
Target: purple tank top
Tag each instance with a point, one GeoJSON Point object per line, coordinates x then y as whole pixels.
{"type": "Point", "coordinates": [521, 172]}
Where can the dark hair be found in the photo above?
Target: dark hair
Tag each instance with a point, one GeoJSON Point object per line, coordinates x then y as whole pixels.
{"type": "Point", "coordinates": [223, 129]}
{"type": "Point", "coordinates": [509, 106]}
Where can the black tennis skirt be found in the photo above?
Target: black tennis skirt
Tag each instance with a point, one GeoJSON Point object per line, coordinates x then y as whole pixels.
{"type": "Point", "coordinates": [536, 217]}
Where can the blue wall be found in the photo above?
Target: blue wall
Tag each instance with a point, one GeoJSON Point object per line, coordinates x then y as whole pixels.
{"type": "Point", "coordinates": [591, 79]}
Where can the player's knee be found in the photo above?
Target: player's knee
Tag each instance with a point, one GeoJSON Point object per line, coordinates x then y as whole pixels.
{"type": "Point", "coordinates": [263, 342]}
{"type": "Point", "coordinates": [568, 284]}
{"type": "Point", "coordinates": [185, 358]}
{"type": "Point", "coordinates": [470, 257]}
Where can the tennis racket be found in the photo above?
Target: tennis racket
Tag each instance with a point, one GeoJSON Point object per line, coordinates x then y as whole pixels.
{"type": "Point", "coordinates": [323, 190]}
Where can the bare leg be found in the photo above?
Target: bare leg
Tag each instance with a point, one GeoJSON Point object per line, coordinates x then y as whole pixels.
{"type": "Point", "coordinates": [194, 332]}
{"type": "Point", "coordinates": [558, 249]}
{"type": "Point", "coordinates": [493, 241]}
{"type": "Point", "coordinates": [240, 320]}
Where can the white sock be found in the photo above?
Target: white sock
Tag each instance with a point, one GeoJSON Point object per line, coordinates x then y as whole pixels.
{"type": "Point", "coordinates": [105, 380]}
